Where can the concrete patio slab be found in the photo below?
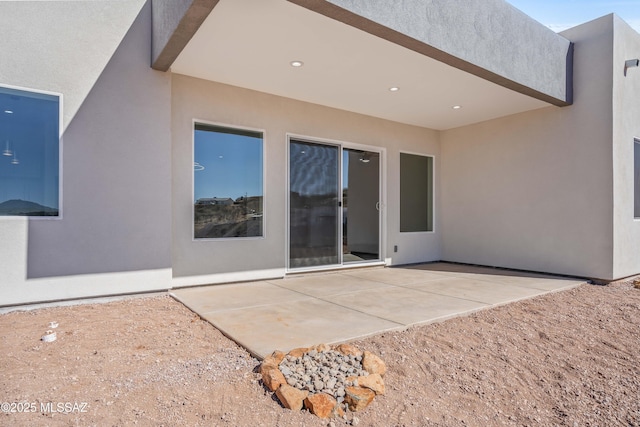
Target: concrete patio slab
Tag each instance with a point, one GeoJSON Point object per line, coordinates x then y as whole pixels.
{"type": "Point", "coordinates": [234, 296]}
{"type": "Point", "coordinates": [546, 283]}
{"type": "Point", "coordinates": [327, 284]}
{"type": "Point", "coordinates": [302, 323]}
{"type": "Point", "coordinates": [476, 290]}
{"type": "Point", "coordinates": [397, 276]}
{"type": "Point", "coordinates": [333, 307]}
{"type": "Point", "coordinates": [404, 305]}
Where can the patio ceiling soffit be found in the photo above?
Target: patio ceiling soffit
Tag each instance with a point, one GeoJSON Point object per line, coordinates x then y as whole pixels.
{"type": "Point", "coordinates": [487, 38]}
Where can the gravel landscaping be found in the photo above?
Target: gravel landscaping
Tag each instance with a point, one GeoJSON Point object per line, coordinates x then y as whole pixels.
{"type": "Point", "coordinates": [570, 358]}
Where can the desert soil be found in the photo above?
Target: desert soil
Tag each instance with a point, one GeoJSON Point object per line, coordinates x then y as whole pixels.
{"type": "Point", "coordinates": [570, 359]}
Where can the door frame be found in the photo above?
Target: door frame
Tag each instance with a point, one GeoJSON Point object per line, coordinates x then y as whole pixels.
{"type": "Point", "coordinates": [382, 223]}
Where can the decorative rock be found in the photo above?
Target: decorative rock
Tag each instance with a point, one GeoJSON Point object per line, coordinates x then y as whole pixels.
{"type": "Point", "coordinates": [328, 380]}
{"type": "Point", "coordinates": [267, 366]}
{"type": "Point", "coordinates": [291, 397]}
{"type": "Point", "coordinates": [273, 378]}
{"type": "Point", "coordinates": [373, 364]}
{"type": "Point", "coordinates": [349, 350]}
{"type": "Point", "coordinates": [321, 348]}
{"type": "Point", "coordinates": [297, 352]}
{"type": "Point", "coordinates": [358, 398]}
{"type": "Point", "coordinates": [277, 355]}
{"type": "Point", "coordinates": [271, 361]}
{"type": "Point", "coordinates": [320, 404]}
{"type": "Point", "coordinates": [373, 382]}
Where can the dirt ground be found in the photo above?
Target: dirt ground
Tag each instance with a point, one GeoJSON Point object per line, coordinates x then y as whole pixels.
{"type": "Point", "coordinates": [570, 359]}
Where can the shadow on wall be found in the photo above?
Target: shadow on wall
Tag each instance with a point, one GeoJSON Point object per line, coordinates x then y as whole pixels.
{"type": "Point", "coordinates": [116, 199]}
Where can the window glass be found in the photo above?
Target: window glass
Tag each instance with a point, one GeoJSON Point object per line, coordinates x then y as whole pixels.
{"type": "Point", "coordinates": [416, 193]}
{"type": "Point", "coordinates": [228, 189]}
{"type": "Point", "coordinates": [29, 153]}
{"type": "Point", "coordinates": [636, 178]}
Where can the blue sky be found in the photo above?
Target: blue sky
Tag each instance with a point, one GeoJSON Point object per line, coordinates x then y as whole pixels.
{"type": "Point", "coordinates": [229, 165]}
{"type": "Point", "coordinates": [562, 14]}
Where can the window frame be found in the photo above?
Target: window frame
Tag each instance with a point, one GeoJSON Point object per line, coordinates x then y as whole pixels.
{"type": "Point", "coordinates": [60, 97]}
{"type": "Point", "coordinates": [433, 191]}
{"type": "Point", "coordinates": [636, 181]}
{"type": "Point", "coordinates": [194, 123]}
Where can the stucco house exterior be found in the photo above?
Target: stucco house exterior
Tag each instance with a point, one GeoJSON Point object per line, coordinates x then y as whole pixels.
{"type": "Point", "coordinates": [347, 133]}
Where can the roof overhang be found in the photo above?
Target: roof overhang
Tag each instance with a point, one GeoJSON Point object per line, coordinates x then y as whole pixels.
{"type": "Point", "coordinates": [484, 56]}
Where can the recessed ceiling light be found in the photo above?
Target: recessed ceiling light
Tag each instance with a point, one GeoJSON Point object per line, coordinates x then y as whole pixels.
{"type": "Point", "coordinates": [296, 64]}
{"type": "Point", "coordinates": [457, 107]}
{"type": "Point", "coordinates": [8, 111]}
{"type": "Point", "coordinates": [394, 89]}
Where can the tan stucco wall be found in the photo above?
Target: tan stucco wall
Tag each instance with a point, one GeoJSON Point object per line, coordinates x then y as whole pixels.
{"type": "Point", "coordinates": [198, 261]}
{"type": "Point", "coordinates": [626, 119]}
{"type": "Point", "coordinates": [114, 235]}
{"type": "Point", "coordinates": [533, 191]}
{"type": "Point", "coordinates": [62, 46]}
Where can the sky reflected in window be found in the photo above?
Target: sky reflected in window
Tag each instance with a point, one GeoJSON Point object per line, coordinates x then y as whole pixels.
{"type": "Point", "coordinates": [228, 183]}
{"type": "Point", "coordinates": [227, 165]}
{"type": "Point", "coordinates": [29, 153]}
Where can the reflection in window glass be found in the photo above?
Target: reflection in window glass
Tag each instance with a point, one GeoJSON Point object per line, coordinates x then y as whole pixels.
{"type": "Point", "coordinates": [416, 193]}
{"type": "Point", "coordinates": [29, 153]}
{"type": "Point", "coordinates": [636, 178]}
{"type": "Point", "coordinates": [227, 176]}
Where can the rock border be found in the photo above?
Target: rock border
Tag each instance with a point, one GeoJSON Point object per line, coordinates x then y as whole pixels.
{"type": "Point", "coordinates": [361, 377]}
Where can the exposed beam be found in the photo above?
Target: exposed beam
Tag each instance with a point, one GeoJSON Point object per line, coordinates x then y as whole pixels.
{"type": "Point", "coordinates": [174, 24]}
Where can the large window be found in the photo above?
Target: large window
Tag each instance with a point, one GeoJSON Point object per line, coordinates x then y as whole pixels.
{"type": "Point", "coordinates": [416, 193]}
{"type": "Point", "coordinates": [228, 188]}
{"type": "Point", "coordinates": [636, 178]}
{"type": "Point", "coordinates": [29, 153]}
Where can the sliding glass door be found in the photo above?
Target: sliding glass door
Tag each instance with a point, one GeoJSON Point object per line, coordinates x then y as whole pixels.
{"type": "Point", "coordinates": [360, 206]}
{"type": "Point", "coordinates": [314, 199]}
{"type": "Point", "coordinates": [334, 205]}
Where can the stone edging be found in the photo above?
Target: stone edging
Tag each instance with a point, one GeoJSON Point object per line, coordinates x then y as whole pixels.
{"type": "Point", "coordinates": [352, 378]}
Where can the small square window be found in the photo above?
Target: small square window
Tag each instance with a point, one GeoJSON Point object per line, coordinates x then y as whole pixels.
{"type": "Point", "coordinates": [228, 182]}
{"type": "Point", "coordinates": [416, 193]}
{"type": "Point", "coordinates": [29, 153]}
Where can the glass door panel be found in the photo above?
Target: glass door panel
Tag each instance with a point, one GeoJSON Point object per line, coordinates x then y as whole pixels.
{"type": "Point", "coordinates": [314, 181]}
{"type": "Point", "coordinates": [360, 206]}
